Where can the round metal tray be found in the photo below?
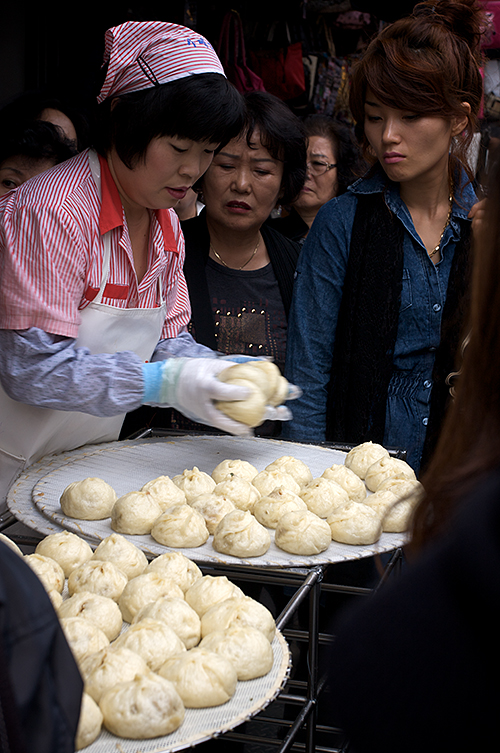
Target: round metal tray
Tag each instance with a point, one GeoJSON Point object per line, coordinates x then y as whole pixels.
{"type": "Point", "coordinates": [34, 498]}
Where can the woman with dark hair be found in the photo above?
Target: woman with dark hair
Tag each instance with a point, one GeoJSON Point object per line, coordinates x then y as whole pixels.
{"type": "Point", "coordinates": [383, 279]}
{"type": "Point", "coordinates": [240, 271]}
{"type": "Point", "coordinates": [333, 163]}
{"type": "Point", "coordinates": [416, 666]}
{"type": "Point", "coordinates": [94, 301]}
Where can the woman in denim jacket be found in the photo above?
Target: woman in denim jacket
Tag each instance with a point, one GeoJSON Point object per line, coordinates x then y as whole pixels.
{"type": "Point", "coordinates": [382, 283]}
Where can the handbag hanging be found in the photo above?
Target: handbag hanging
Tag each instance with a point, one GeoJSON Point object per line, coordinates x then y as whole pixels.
{"type": "Point", "coordinates": [231, 51]}
{"type": "Point", "coordinates": [281, 68]}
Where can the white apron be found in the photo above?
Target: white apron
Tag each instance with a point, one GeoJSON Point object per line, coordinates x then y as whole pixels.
{"type": "Point", "coordinates": [28, 433]}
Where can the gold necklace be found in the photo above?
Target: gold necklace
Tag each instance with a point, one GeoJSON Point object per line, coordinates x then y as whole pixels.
{"type": "Point", "coordinates": [436, 248]}
{"type": "Point", "coordinates": [243, 265]}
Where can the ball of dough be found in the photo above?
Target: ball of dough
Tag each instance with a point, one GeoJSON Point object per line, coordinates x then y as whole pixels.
{"type": "Point", "coordinates": [176, 566]}
{"type": "Point", "coordinates": [98, 577]}
{"type": "Point", "coordinates": [210, 590]}
{"type": "Point", "coordinates": [11, 544]}
{"type": "Point", "coordinates": [241, 492]}
{"type": "Point", "coordinates": [268, 510]}
{"type": "Point", "coordinates": [212, 507]}
{"type": "Point", "coordinates": [247, 648]}
{"type": "Point", "coordinates": [89, 723]}
{"type": "Point", "coordinates": [56, 599]}
{"type": "Point", "coordinates": [152, 639]}
{"type": "Point", "coordinates": [135, 513]}
{"type": "Point", "coordinates": [322, 496]}
{"type": "Point", "coordinates": [239, 611]}
{"type": "Point", "coordinates": [250, 411]}
{"type": "Point", "coordinates": [237, 467]}
{"type": "Point", "coordinates": [361, 457]}
{"type": "Point", "coordinates": [123, 553]}
{"type": "Point", "coordinates": [385, 468]}
{"type": "Point", "coordinates": [145, 588]}
{"type": "Point", "coordinates": [302, 532]}
{"type": "Point", "coordinates": [145, 707]}
{"type": "Point", "coordinates": [355, 523]}
{"type": "Point", "coordinates": [348, 480]}
{"type": "Point", "coordinates": [178, 615]}
{"type": "Point", "coordinates": [89, 499]}
{"type": "Point", "coordinates": [395, 512]}
{"type": "Point", "coordinates": [403, 488]}
{"type": "Point", "coordinates": [100, 610]}
{"type": "Point", "coordinates": [165, 492]}
{"type": "Point", "coordinates": [194, 482]}
{"type": "Point", "coordinates": [294, 467]}
{"type": "Point", "coordinates": [180, 526]}
{"type": "Point", "coordinates": [66, 548]}
{"type": "Point", "coordinates": [48, 570]}
{"type": "Point", "coordinates": [202, 678]}
{"type": "Point", "coordinates": [83, 636]}
{"type": "Point", "coordinates": [241, 535]}
{"type": "Point", "coordinates": [109, 666]}
{"type": "Point", "coordinates": [266, 481]}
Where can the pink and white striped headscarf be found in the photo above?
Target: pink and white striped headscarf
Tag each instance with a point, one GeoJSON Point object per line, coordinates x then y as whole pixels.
{"type": "Point", "coordinates": [142, 54]}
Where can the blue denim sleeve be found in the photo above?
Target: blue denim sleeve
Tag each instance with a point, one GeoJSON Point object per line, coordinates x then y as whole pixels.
{"type": "Point", "coordinates": [182, 346]}
{"type": "Point", "coordinates": [48, 371]}
{"type": "Point", "coordinates": [313, 316]}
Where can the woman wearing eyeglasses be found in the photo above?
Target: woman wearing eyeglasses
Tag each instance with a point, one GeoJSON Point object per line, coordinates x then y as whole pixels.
{"type": "Point", "coordinates": [333, 163]}
{"type": "Point", "coordinates": [382, 284]}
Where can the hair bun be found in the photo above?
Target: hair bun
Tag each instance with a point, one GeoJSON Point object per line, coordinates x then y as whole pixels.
{"type": "Point", "coordinates": [464, 18]}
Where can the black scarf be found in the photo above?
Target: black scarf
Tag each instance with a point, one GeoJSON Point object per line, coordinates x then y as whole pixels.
{"type": "Point", "coordinates": [368, 322]}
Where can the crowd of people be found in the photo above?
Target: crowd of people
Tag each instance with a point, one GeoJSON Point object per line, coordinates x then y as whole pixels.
{"type": "Point", "coordinates": [187, 226]}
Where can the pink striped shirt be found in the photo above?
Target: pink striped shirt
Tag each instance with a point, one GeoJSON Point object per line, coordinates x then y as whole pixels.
{"type": "Point", "coordinates": [51, 242]}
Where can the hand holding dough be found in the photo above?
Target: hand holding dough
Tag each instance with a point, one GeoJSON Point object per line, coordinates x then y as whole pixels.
{"type": "Point", "coordinates": [266, 385]}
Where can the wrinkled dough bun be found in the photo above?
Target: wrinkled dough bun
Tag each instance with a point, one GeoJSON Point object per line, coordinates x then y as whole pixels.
{"type": "Point", "coordinates": [241, 492]}
{"type": "Point", "coordinates": [180, 526]}
{"type": "Point", "coordinates": [348, 480]}
{"type": "Point", "coordinates": [147, 587]}
{"type": "Point", "coordinates": [247, 648]}
{"type": "Point", "coordinates": [322, 496]}
{"type": "Point", "coordinates": [361, 457]}
{"type": "Point", "coordinates": [178, 615]}
{"type": "Point", "coordinates": [194, 482]}
{"type": "Point", "coordinates": [89, 723]}
{"type": "Point", "coordinates": [11, 544]}
{"type": "Point", "coordinates": [152, 639]}
{"type": "Point", "coordinates": [250, 411]}
{"type": "Point", "coordinates": [123, 553]}
{"type": "Point", "coordinates": [98, 577]}
{"type": "Point", "coordinates": [106, 668]}
{"type": "Point", "coordinates": [100, 610]}
{"type": "Point", "coordinates": [294, 467]}
{"type": "Point", "coordinates": [135, 513]}
{"type": "Point", "coordinates": [202, 678]}
{"type": "Point", "coordinates": [355, 523]}
{"type": "Point", "coordinates": [241, 535]}
{"type": "Point", "coordinates": [66, 548]}
{"type": "Point", "coordinates": [212, 507]}
{"type": "Point", "coordinates": [210, 590]}
{"type": "Point", "coordinates": [268, 510]}
{"type": "Point", "coordinates": [386, 468]}
{"type": "Point", "coordinates": [90, 499]}
{"type": "Point", "coordinates": [266, 481]}
{"type": "Point", "coordinates": [237, 467]}
{"type": "Point", "coordinates": [176, 566]}
{"type": "Point", "coordinates": [145, 707]}
{"type": "Point", "coordinates": [403, 488]}
{"type": "Point", "coordinates": [239, 611]}
{"type": "Point", "coordinates": [302, 532]}
{"type": "Point", "coordinates": [395, 512]}
{"type": "Point", "coordinates": [48, 570]}
{"type": "Point", "coordinates": [165, 492]}
{"type": "Point", "coordinates": [83, 636]}
{"type": "Point", "coordinates": [265, 384]}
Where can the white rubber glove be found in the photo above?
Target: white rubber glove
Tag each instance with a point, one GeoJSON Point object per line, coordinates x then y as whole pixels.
{"type": "Point", "coordinates": [190, 385]}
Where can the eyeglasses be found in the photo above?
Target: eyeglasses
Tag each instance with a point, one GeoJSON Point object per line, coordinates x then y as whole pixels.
{"type": "Point", "coordinates": [316, 167]}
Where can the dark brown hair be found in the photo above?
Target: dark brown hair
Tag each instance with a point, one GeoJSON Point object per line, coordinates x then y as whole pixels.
{"type": "Point", "coordinates": [427, 63]}
{"type": "Point", "coordinates": [469, 444]}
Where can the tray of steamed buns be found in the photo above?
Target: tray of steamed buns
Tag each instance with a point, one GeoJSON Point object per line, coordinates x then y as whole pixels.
{"type": "Point", "coordinates": [169, 657]}
{"type": "Point", "coordinates": [231, 500]}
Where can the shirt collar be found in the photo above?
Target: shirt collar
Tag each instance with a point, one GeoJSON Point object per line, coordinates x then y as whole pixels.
{"type": "Point", "coordinates": [111, 214]}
